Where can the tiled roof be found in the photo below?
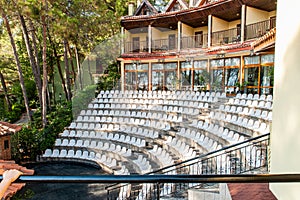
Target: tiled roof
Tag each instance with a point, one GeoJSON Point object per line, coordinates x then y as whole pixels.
{"type": "Point", "coordinates": [250, 191]}
{"type": "Point", "coordinates": [7, 128]}
{"type": "Point", "coordinates": [266, 40]}
{"type": "Point", "coordinates": [230, 47]}
{"type": "Point", "coordinates": [14, 187]}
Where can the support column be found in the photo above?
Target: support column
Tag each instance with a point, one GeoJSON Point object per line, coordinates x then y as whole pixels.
{"type": "Point", "coordinates": [209, 30]}
{"type": "Point", "coordinates": [149, 38]}
{"type": "Point", "coordinates": [122, 40]}
{"type": "Point", "coordinates": [243, 22]}
{"type": "Point", "coordinates": [122, 76]}
{"type": "Point", "coordinates": [285, 135]}
{"type": "Point", "coordinates": [179, 27]}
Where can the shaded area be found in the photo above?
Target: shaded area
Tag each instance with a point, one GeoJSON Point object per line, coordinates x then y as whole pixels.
{"type": "Point", "coordinates": [63, 191]}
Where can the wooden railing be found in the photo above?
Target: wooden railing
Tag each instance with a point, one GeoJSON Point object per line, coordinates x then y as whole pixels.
{"type": "Point", "coordinates": [164, 44]}
{"type": "Point", "coordinates": [226, 36]}
{"type": "Point", "coordinates": [132, 47]}
{"type": "Point", "coordinates": [258, 29]}
{"type": "Point", "coordinates": [195, 41]}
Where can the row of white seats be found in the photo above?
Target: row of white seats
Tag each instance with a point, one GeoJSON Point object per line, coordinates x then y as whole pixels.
{"type": "Point", "coordinates": [112, 137]}
{"type": "Point", "coordinates": [244, 122]}
{"type": "Point", "coordinates": [206, 142]}
{"type": "Point", "coordinates": [249, 103]}
{"type": "Point", "coordinates": [148, 133]}
{"type": "Point", "coordinates": [184, 150]}
{"type": "Point", "coordinates": [173, 106]}
{"type": "Point", "coordinates": [145, 132]}
{"type": "Point", "coordinates": [79, 154]}
{"type": "Point", "coordinates": [99, 145]}
{"type": "Point", "coordinates": [251, 112]}
{"type": "Point", "coordinates": [162, 155]}
{"type": "Point", "coordinates": [261, 97]}
{"type": "Point", "coordinates": [103, 126]}
{"type": "Point", "coordinates": [143, 164]}
{"type": "Point", "coordinates": [123, 171]}
{"type": "Point", "coordinates": [147, 94]}
{"type": "Point", "coordinates": [156, 100]}
{"type": "Point", "coordinates": [106, 116]}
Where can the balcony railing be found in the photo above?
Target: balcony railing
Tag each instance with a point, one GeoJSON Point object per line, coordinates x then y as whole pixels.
{"type": "Point", "coordinates": [133, 47]}
{"type": "Point", "coordinates": [226, 36]}
{"type": "Point", "coordinates": [164, 44]}
{"type": "Point", "coordinates": [240, 158]}
{"type": "Point", "coordinates": [260, 28]}
{"type": "Point", "coordinates": [196, 41]}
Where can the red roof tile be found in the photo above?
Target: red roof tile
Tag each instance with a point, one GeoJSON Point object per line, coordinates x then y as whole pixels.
{"type": "Point", "coordinates": [14, 187]}
{"type": "Point", "coordinates": [7, 128]}
{"type": "Point", "coordinates": [250, 191]}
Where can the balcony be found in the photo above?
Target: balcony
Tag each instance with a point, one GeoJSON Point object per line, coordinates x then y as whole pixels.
{"type": "Point", "coordinates": [226, 36]}
{"type": "Point", "coordinates": [258, 29]}
{"type": "Point", "coordinates": [164, 44]}
{"type": "Point", "coordinates": [218, 38]}
{"type": "Point", "coordinates": [195, 41]}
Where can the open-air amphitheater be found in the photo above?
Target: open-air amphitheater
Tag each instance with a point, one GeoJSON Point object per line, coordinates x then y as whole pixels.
{"type": "Point", "coordinates": [168, 132]}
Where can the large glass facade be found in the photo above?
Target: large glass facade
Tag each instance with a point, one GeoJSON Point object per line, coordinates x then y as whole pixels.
{"type": "Point", "coordinates": [224, 75]}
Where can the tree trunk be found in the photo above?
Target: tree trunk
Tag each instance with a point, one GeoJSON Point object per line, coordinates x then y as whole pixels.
{"type": "Point", "coordinates": [20, 73]}
{"type": "Point", "coordinates": [45, 73]}
{"type": "Point", "coordinates": [69, 97]}
{"type": "Point", "coordinates": [37, 77]}
{"type": "Point", "coordinates": [5, 92]}
{"type": "Point", "coordinates": [71, 62]}
{"type": "Point", "coordinates": [63, 83]}
{"type": "Point", "coordinates": [36, 52]}
{"type": "Point", "coordinates": [78, 69]}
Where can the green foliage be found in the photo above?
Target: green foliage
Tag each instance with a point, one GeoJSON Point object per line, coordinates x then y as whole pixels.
{"type": "Point", "coordinates": [82, 98]}
{"type": "Point", "coordinates": [110, 80]}
{"type": "Point", "coordinates": [30, 89]}
{"type": "Point", "coordinates": [32, 140]}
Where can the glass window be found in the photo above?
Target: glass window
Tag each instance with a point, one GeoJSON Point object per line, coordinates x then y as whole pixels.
{"type": "Point", "coordinates": [201, 79]}
{"type": "Point", "coordinates": [164, 76]}
{"type": "Point", "coordinates": [157, 79]}
{"type": "Point", "coordinates": [217, 79]}
{"type": "Point", "coordinates": [217, 63]}
{"type": "Point", "coordinates": [232, 62]}
{"type": "Point", "coordinates": [142, 80]}
{"type": "Point", "coordinates": [170, 66]}
{"type": "Point", "coordinates": [267, 58]}
{"type": "Point", "coordinates": [130, 80]}
{"type": "Point", "coordinates": [170, 80]}
{"type": "Point", "coordinates": [200, 64]}
{"type": "Point", "coordinates": [251, 76]}
{"type": "Point", "coordinates": [130, 67]}
{"type": "Point", "coordinates": [231, 76]}
{"type": "Point", "coordinates": [267, 76]}
{"type": "Point", "coordinates": [252, 60]}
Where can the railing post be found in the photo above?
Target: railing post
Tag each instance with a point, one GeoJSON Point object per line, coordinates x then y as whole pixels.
{"type": "Point", "coordinates": [158, 191]}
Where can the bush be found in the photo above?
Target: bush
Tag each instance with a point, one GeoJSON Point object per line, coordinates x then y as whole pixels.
{"type": "Point", "coordinates": [32, 140]}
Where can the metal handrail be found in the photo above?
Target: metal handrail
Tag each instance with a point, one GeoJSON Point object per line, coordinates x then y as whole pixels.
{"type": "Point", "coordinates": [210, 160]}
{"type": "Point", "coordinates": [160, 178]}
